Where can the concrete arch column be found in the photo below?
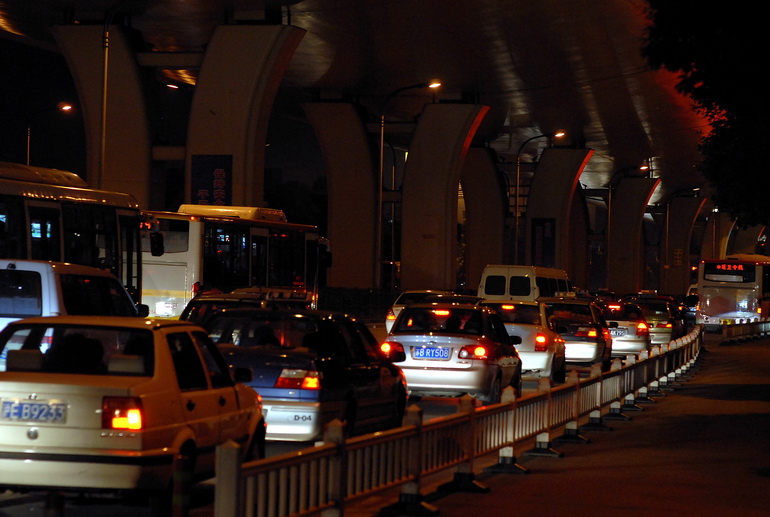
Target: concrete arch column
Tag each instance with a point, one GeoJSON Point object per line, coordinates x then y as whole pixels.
{"type": "Point", "coordinates": [239, 78]}
{"type": "Point", "coordinates": [127, 146]}
{"type": "Point", "coordinates": [485, 206]}
{"type": "Point", "coordinates": [548, 239]}
{"type": "Point", "coordinates": [625, 255]}
{"type": "Point", "coordinates": [429, 198]}
{"type": "Point", "coordinates": [675, 258]}
{"type": "Point", "coordinates": [717, 235]}
{"type": "Point", "coordinates": [351, 192]}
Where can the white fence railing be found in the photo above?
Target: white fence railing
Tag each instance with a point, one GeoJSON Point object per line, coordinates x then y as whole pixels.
{"type": "Point", "coordinates": [743, 331]}
{"type": "Point", "coordinates": [325, 478]}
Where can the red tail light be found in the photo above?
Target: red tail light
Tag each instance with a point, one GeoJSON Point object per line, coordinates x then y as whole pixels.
{"type": "Point", "coordinates": [664, 325]}
{"type": "Point", "coordinates": [195, 289]}
{"type": "Point", "coordinates": [122, 413]}
{"type": "Point", "coordinates": [642, 329]}
{"type": "Point", "coordinates": [586, 332]}
{"type": "Point", "coordinates": [541, 342]}
{"type": "Point", "coordinates": [388, 347]}
{"type": "Point", "coordinates": [390, 316]}
{"type": "Point", "coordinates": [473, 352]}
{"type": "Point", "coordinates": [299, 379]}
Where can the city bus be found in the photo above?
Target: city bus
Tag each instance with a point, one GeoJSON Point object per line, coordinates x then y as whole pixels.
{"type": "Point", "coordinates": [732, 290]}
{"type": "Point", "coordinates": [213, 249]}
{"type": "Point", "coordinates": [50, 214]}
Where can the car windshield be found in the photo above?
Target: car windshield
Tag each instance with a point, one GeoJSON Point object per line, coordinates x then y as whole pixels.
{"type": "Point", "coordinates": [518, 313]}
{"type": "Point", "coordinates": [571, 313]}
{"type": "Point", "coordinates": [287, 330]}
{"type": "Point", "coordinates": [625, 312]}
{"type": "Point", "coordinates": [91, 350]}
{"type": "Point", "coordinates": [430, 319]}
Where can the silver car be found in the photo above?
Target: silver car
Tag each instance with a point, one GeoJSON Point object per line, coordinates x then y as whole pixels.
{"type": "Point", "coordinates": [628, 328]}
{"type": "Point", "coordinates": [541, 350]}
{"type": "Point", "coordinates": [584, 329]}
{"type": "Point", "coordinates": [452, 349]}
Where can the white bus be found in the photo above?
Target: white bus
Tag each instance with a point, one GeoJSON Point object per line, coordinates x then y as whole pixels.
{"type": "Point", "coordinates": [732, 290]}
{"type": "Point", "coordinates": [49, 214]}
{"type": "Point", "coordinates": [208, 248]}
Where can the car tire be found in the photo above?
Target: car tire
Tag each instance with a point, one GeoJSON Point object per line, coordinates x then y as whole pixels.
{"type": "Point", "coordinates": [495, 392]}
{"type": "Point", "coordinates": [559, 374]}
{"type": "Point", "coordinates": [257, 449]}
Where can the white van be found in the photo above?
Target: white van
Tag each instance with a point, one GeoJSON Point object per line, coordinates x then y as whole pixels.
{"type": "Point", "coordinates": [522, 283]}
{"type": "Point", "coordinates": [31, 288]}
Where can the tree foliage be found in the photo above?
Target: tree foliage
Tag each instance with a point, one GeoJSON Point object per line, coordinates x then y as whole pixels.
{"type": "Point", "coordinates": [716, 50]}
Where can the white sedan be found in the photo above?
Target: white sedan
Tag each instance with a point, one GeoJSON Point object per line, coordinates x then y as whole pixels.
{"type": "Point", "coordinates": [542, 349]}
{"type": "Point", "coordinates": [108, 404]}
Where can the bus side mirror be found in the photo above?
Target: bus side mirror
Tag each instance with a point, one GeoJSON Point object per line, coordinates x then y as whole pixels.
{"type": "Point", "coordinates": [156, 244]}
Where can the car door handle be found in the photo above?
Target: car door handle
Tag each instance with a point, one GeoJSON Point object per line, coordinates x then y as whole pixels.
{"type": "Point", "coordinates": [190, 405]}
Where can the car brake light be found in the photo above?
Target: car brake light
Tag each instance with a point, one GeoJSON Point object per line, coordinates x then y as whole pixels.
{"type": "Point", "coordinates": [541, 342]}
{"type": "Point", "coordinates": [642, 329]}
{"type": "Point", "coordinates": [664, 325]}
{"type": "Point", "coordinates": [473, 352]}
{"type": "Point", "coordinates": [586, 332]}
{"type": "Point", "coordinates": [507, 307]}
{"type": "Point", "coordinates": [299, 379]}
{"type": "Point", "coordinates": [390, 316]}
{"type": "Point", "coordinates": [388, 347]}
{"type": "Point", "coordinates": [122, 413]}
{"type": "Point", "coordinates": [613, 307]}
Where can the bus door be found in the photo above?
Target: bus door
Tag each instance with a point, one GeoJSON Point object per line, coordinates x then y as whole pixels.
{"type": "Point", "coordinates": [130, 264]}
{"type": "Point", "coordinates": [258, 257]}
{"type": "Point", "coordinates": [44, 231]}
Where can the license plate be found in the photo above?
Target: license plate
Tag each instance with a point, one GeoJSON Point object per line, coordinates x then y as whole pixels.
{"type": "Point", "coordinates": [430, 352]}
{"type": "Point", "coordinates": [33, 411]}
{"type": "Point", "coordinates": [617, 332]}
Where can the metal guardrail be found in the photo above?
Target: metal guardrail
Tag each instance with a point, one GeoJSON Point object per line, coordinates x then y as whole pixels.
{"type": "Point", "coordinates": [745, 331]}
{"type": "Point", "coordinates": [322, 480]}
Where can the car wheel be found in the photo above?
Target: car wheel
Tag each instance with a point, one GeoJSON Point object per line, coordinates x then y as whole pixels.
{"type": "Point", "coordinates": [494, 393]}
{"type": "Point", "coordinates": [257, 448]}
{"type": "Point", "coordinates": [559, 374]}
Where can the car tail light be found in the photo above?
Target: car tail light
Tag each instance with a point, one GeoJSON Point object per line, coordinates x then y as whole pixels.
{"type": "Point", "coordinates": [473, 352]}
{"type": "Point", "coordinates": [299, 379]}
{"type": "Point", "coordinates": [642, 329]}
{"type": "Point", "coordinates": [613, 307]}
{"type": "Point", "coordinates": [390, 316]}
{"type": "Point", "coordinates": [507, 307]}
{"type": "Point", "coordinates": [388, 347]}
{"type": "Point", "coordinates": [664, 325]}
{"type": "Point", "coordinates": [122, 413]}
{"type": "Point", "coordinates": [586, 332]}
{"type": "Point", "coordinates": [195, 289]}
{"type": "Point", "coordinates": [541, 342]}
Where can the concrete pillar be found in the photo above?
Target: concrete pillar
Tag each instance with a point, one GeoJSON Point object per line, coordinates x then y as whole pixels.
{"type": "Point", "coordinates": [429, 198]}
{"type": "Point", "coordinates": [352, 196]}
{"type": "Point", "coordinates": [127, 144]}
{"type": "Point", "coordinates": [675, 258]}
{"type": "Point", "coordinates": [240, 75]}
{"type": "Point", "coordinates": [485, 206]}
{"type": "Point", "coordinates": [718, 229]}
{"type": "Point", "coordinates": [549, 207]}
{"type": "Point", "coordinates": [625, 254]}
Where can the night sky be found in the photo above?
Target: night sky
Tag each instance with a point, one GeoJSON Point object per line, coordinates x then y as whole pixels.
{"type": "Point", "coordinates": [34, 82]}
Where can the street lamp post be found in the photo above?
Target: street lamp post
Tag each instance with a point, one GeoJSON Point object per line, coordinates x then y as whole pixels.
{"type": "Point", "coordinates": [378, 241]}
{"type": "Point", "coordinates": [518, 185]}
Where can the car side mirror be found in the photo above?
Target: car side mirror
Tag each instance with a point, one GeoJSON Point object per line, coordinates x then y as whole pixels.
{"type": "Point", "coordinates": [514, 339]}
{"type": "Point", "coordinates": [157, 248]}
{"type": "Point", "coordinates": [142, 310]}
{"type": "Point", "coordinates": [561, 329]}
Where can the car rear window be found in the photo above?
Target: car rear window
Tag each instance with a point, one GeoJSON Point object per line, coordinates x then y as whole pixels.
{"type": "Point", "coordinates": [517, 313]}
{"type": "Point", "coordinates": [628, 312]}
{"type": "Point", "coordinates": [90, 350]}
{"type": "Point", "coordinates": [263, 330]}
{"type": "Point", "coordinates": [424, 319]}
{"type": "Point", "coordinates": [20, 294]}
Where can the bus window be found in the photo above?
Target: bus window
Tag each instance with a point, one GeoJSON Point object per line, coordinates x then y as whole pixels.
{"type": "Point", "coordinates": [12, 227]}
{"type": "Point", "coordinates": [90, 234]}
{"type": "Point", "coordinates": [44, 234]}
